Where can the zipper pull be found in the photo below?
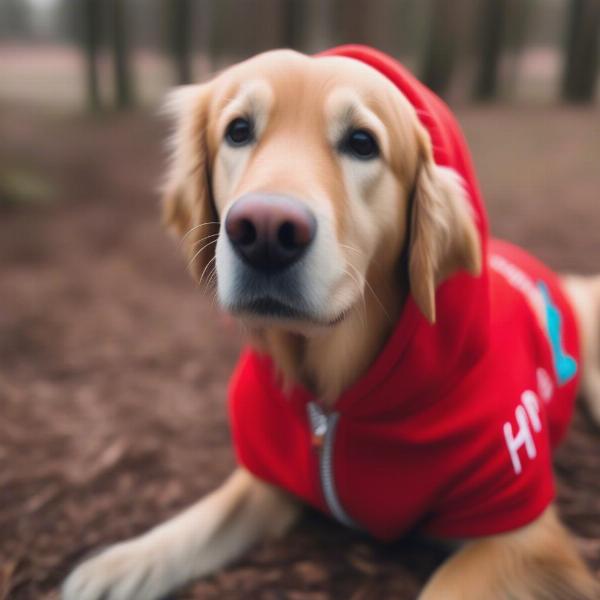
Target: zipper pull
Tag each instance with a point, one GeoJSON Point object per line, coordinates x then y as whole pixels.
{"type": "Point", "coordinates": [319, 424]}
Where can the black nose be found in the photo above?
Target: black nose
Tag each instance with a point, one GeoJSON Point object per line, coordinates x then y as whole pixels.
{"type": "Point", "coordinates": [270, 232]}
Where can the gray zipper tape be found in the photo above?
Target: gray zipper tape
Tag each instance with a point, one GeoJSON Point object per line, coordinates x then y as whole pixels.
{"type": "Point", "coordinates": [325, 426]}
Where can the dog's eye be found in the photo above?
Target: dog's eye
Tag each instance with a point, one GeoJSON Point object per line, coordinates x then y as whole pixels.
{"type": "Point", "coordinates": [239, 132]}
{"type": "Point", "coordinates": [361, 144]}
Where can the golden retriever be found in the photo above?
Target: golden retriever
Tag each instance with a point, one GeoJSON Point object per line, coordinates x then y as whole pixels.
{"type": "Point", "coordinates": [325, 328]}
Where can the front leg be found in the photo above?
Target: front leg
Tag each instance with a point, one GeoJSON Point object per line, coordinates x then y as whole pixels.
{"type": "Point", "coordinates": [537, 562]}
{"type": "Point", "coordinates": [207, 536]}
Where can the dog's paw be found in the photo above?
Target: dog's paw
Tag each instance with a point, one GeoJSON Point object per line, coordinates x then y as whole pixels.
{"type": "Point", "coordinates": [127, 571]}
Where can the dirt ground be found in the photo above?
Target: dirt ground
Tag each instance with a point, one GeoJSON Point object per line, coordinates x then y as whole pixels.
{"type": "Point", "coordinates": [113, 366]}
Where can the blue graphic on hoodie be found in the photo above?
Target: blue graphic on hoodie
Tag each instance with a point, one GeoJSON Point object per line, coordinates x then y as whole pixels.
{"type": "Point", "coordinates": [565, 366]}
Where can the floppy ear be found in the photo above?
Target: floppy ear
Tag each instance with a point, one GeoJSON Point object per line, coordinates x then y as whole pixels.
{"type": "Point", "coordinates": [444, 237]}
{"type": "Point", "coordinates": [188, 207]}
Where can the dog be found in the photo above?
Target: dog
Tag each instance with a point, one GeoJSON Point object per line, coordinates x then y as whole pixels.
{"type": "Point", "coordinates": [404, 370]}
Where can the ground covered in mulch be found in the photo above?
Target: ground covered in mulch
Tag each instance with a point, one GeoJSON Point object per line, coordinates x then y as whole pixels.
{"type": "Point", "coordinates": [113, 366]}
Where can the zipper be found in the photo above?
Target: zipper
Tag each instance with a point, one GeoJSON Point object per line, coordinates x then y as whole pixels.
{"type": "Point", "coordinates": [323, 427]}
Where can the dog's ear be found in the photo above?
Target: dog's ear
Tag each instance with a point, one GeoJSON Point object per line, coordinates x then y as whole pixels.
{"type": "Point", "coordinates": [444, 237]}
{"type": "Point", "coordinates": [188, 207]}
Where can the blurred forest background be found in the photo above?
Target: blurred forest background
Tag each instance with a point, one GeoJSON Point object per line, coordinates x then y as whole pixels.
{"type": "Point", "coordinates": [468, 49]}
{"type": "Point", "coordinates": [114, 366]}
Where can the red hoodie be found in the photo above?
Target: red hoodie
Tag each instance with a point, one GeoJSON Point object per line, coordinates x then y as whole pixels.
{"type": "Point", "coordinates": [451, 428]}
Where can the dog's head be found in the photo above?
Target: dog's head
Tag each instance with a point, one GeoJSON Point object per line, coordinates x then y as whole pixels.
{"type": "Point", "coordinates": [293, 177]}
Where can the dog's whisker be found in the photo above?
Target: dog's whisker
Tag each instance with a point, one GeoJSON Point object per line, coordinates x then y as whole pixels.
{"type": "Point", "coordinates": [375, 296]}
{"type": "Point", "coordinates": [199, 252]}
{"type": "Point", "coordinates": [385, 312]}
{"type": "Point", "coordinates": [212, 279]}
{"type": "Point", "coordinates": [185, 235]}
{"type": "Point", "coordinates": [205, 238]}
{"type": "Point", "coordinates": [363, 298]}
{"type": "Point", "coordinates": [360, 288]}
{"type": "Point", "coordinates": [351, 248]}
{"type": "Point", "coordinates": [213, 259]}
{"type": "Point", "coordinates": [373, 262]}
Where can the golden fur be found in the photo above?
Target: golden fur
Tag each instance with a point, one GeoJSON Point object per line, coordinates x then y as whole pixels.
{"type": "Point", "coordinates": [443, 234]}
{"type": "Point", "coordinates": [384, 257]}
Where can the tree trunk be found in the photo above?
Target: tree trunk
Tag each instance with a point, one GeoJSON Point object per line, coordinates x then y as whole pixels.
{"type": "Point", "coordinates": [319, 24]}
{"type": "Point", "coordinates": [491, 33]}
{"type": "Point", "coordinates": [15, 19]}
{"type": "Point", "coordinates": [91, 19]}
{"type": "Point", "coordinates": [204, 14]}
{"type": "Point", "coordinates": [121, 67]}
{"type": "Point", "coordinates": [581, 60]}
{"type": "Point", "coordinates": [442, 46]}
{"type": "Point", "coordinates": [180, 36]}
{"type": "Point", "coordinates": [517, 35]}
{"type": "Point", "coordinates": [294, 14]}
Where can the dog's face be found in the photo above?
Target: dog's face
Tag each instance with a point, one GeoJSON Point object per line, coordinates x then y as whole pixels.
{"type": "Point", "coordinates": [291, 180]}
